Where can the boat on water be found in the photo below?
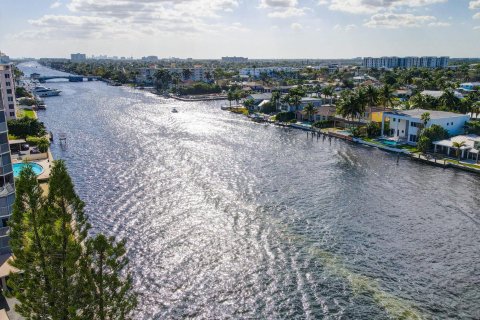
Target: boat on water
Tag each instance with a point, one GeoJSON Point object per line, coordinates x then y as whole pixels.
{"type": "Point", "coordinates": [174, 110]}
{"type": "Point", "coordinates": [224, 107]}
{"type": "Point", "coordinates": [45, 92]}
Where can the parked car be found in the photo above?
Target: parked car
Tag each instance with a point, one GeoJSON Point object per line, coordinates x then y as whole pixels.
{"type": "Point", "coordinates": [24, 147]}
{"type": "Point", "coordinates": [34, 150]}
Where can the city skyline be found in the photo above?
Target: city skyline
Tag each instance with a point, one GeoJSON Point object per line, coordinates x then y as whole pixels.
{"type": "Point", "coordinates": [255, 29]}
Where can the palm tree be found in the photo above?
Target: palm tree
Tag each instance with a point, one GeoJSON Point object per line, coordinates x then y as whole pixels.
{"type": "Point", "coordinates": [449, 100]}
{"type": "Point", "coordinates": [386, 96]}
{"type": "Point", "coordinates": [187, 73]}
{"type": "Point", "coordinates": [276, 98]}
{"type": "Point", "coordinates": [295, 100]}
{"type": "Point", "coordinates": [248, 103]}
{"type": "Point", "coordinates": [425, 118]}
{"type": "Point", "coordinates": [458, 146]}
{"type": "Point", "coordinates": [162, 78]}
{"type": "Point", "coordinates": [372, 95]}
{"type": "Point", "coordinates": [418, 101]}
{"type": "Point", "coordinates": [309, 110]}
{"type": "Point", "coordinates": [328, 92]}
{"type": "Point", "coordinates": [349, 106]}
{"type": "Point", "coordinates": [230, 97]}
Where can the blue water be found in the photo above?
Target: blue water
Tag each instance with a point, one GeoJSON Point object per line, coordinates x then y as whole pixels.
{"type": "Point", "coordinates": [229, 219]}
{"type": "Point", "coordinates": [17, 168]}
{"type": "Point", "coordinates": [389, 143]}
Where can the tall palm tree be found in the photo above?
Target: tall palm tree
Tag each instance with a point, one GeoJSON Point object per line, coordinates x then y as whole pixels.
{"type": "Point", "coordinates": [449, 100]}
{"type": "Point", "coordinates": [309, 110]}
{"type": "Point", "coordinates": [425, 118]}
{"type": "Point", "coordinates": [418, 101]}
{"type": "Point", "coordinates": [458, 146]}
{"type": "Point", "coordinates": [372, 96]}
{"type": "Point", "coordinates": [328, 92]}
{"type": "Point", "coordinates": [276, 98]}
{"type": "Point", "coordinates": [230, 97]}
{"type": "Point", "coordinates": [386, 96]}
{"type": "Point", "coordinates": [295, 100]}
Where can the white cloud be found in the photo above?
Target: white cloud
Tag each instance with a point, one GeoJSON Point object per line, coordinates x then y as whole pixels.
{"type": "Point", "coordinates": [346, 28]}
{"type": "Point", "coordinates": [474, 4]}
{"type": "Point", "coordinates": [129, 18]}
{"type": "Point", "coordinates": [400, 20]}
{"type": "Point", "coordinates": [55, 4]}
{"type": "Point", "coordinates": [278, 3]}
{"type": "Point", "coordinates": [296, 26]}
{"type": "Point", "coordinates": [287, 13]}
{"type": "Point", "coordinates": [375, 6]}
{"type": "Point", "coordinates": [322, 2]}
{"type": "Point", "coordinates": [476, 28]}
{"type": "Point", "coordinates": [476, 16]}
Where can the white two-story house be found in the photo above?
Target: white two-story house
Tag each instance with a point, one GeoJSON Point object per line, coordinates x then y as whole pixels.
{"type": "Point", "coordinates": [406, 125]}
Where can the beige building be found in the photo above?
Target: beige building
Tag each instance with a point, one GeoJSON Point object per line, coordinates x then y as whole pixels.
{"type": "Point", "coordinates": [7, 86]}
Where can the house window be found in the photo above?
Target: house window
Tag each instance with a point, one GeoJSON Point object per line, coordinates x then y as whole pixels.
{"type": "Point", "coordinates": [394, 119]}
{"type": "Point", "coordinates": [452, 123]}
{"type": "Point", "coordinates": [11, 106]}
{"type": "Point", "coordinates": [12, 114]}
{"type": "Point", "coordinates": [9, 91]}
{"type": "Point", "coordinates": [8, 84]}
{"type": "Point", "coordinates": [10, 99]}
{"type": "Point", "coordinates": [413, 138]}
{"type": "Point", "coordinates": [7, 76]}
{"type": "Point", "coordinates": [448, 124]}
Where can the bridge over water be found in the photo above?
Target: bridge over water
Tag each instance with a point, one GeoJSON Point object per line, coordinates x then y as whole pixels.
{"type": "Point", "coordinates": [43, 79]}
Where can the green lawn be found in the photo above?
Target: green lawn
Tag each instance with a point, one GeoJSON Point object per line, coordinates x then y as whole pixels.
{"type": "Point", "coordinates": [464, 164]}
{"type": "Point", "coordinates": [26, 113]}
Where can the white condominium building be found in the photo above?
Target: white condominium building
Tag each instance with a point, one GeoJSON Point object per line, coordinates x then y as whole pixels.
{"type": "Point", "coordinates": [405, 62]}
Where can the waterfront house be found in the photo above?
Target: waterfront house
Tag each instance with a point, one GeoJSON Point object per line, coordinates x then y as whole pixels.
{"type": "Point", "coordinates": [469, 151]}
{"type": "Point", "coordinates": [259, 97]}
{"type": "Point", "coordinates": [406, 125]}
{"type": "Point", "coordinates": [288, 107]}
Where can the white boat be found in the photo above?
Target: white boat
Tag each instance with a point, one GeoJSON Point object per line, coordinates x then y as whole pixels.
{"type": "Point", "coordinates": [45, 92]}
{"type": "Point", "coordinates": [174, 110]}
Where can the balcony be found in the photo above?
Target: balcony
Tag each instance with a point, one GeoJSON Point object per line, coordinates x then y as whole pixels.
{"type": "Point", "coordinates": [7, 189]}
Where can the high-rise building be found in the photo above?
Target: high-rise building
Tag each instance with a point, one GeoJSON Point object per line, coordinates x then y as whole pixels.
{"type": "Point", "coordinates": [7, 84]}
{"type": "Point", "coordinates": [78, 57]}
{"type": "Point", "coordinates": [406, 62]}
{"type": "Point", "coordinates": [7, 182]}
{"type": "Point", "coordinates": [234, 59]}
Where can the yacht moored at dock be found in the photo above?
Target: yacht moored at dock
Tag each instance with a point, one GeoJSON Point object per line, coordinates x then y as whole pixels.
{"type": "Point", "coordinates": [45, 92]}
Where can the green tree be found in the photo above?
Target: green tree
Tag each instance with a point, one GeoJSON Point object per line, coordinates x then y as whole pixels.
{"type": "Point", "coordinates": [458, 148]}
{"type": "Point", "coordinates": [372, 96]}
{"type": "Point", "coordinates": [60, 266]}
{"type": "Point", "coordinates": [424, 144]}
{"type": "Point", "coordinates": [309, 111]}
{"type": "Point", "coordinates": [163, 79]}
{"type": "Point", "coordinates": [70, 229]}
{"type": "Point", "coordinates": [328, 91]}
{"type": "Point", "coordinates": [249, 103]}
{"type": "Point", "coordinates": [386, 96]}
{"type": "Point", "coordinates": [449, 100]}
{"type": "Point", "coordinates": [30, 230]}
{"type": "Point", "coordinates": [276, 96]}
{"type": "Point", "coordinates": [111, 296]}
{"type": "Point", "coordinates": [230, 97]}
{"type": "Point", "coordinates": [425, 117]}
{"type": "Point", "coordinates": [187, 73]}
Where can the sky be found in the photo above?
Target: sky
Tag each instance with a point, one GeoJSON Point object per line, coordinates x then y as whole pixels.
{"type": "Point", "coordinates": [250, 28]}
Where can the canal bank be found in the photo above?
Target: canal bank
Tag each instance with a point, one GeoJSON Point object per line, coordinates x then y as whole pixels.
{"type": "Point", "coordinates": [229, 219]}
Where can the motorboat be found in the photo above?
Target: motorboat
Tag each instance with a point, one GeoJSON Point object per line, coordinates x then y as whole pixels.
{"type": "Point", "coordinates": [45, 92]}
{"type": "Point", "coordinates": [174, 110]}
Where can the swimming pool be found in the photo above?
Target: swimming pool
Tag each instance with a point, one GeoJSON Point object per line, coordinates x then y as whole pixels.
{"type": "Point", "coordinates": [17, 167]}
{"type": "Point", "coordinates": [389, 143]}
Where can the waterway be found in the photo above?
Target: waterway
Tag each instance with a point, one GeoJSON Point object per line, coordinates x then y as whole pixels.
{"type": "Point", "coordinates": [226, 218]}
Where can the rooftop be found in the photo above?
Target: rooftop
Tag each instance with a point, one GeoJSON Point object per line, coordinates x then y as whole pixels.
{"type": "Point", "coordinates": [434, 114]}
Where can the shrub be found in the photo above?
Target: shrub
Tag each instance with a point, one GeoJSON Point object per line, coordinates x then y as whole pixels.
{"type": "Point", "coordinates": [323, 124]}
{"type": "Point", "coordinates": [43, 144]}
{"type": "Point", "coordinates": [373, 130]}
{"type": "Point", "coordinates": [473, 127]}
{"type": "Point", "coordinates": [424, 144]}
{"type": "Point", "coordinates": [285, 116]}
{"type": "Point", "coordinates": [200, 88]}
{"type": "Point", "coordinates": [24, 127]}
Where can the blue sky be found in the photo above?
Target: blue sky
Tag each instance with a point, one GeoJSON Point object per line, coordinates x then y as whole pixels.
{"type": "Point", "coordinates": [253, 28]}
